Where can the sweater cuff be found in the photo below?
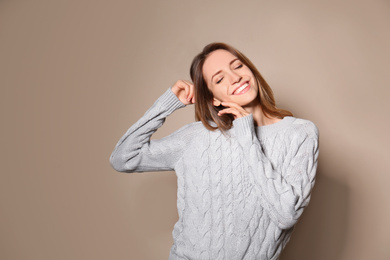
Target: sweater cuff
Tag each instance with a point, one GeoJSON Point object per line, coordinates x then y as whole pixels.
{"type": "Point", "coordinates": [170, 100]}
{"type": "Point", "coordinates": [244, 125]}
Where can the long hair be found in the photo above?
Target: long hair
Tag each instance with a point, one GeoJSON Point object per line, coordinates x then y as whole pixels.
{"type": "Point", "coordinates": [206, 112]}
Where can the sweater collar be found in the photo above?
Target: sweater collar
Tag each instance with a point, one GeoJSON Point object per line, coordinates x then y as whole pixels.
{"type": "Point", "coordinates": [267, 129]}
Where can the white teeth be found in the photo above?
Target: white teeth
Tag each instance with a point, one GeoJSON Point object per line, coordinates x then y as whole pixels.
{"type": "Point", "coordinates": [240, 88]}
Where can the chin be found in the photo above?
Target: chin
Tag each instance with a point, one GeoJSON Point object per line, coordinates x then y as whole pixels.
{"type": "Point", "coordinates": [249, 100]}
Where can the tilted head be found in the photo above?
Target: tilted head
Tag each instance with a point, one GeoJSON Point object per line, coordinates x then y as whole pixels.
{"type": "Point", "coordinates": [221, 73]}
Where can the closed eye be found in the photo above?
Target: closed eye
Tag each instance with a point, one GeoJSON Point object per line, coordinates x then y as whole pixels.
{"type": "Point", "coordinates": [239, 66]}
{"type": "Point", "coordinates": [219, 81]}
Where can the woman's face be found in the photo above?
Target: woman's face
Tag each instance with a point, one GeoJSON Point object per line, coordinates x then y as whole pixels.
{"type": "Point", "coordinates": [229, 79]}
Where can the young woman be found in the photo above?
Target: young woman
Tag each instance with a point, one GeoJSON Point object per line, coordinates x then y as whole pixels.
{"type": "Point", "coordinates": [245, 169]}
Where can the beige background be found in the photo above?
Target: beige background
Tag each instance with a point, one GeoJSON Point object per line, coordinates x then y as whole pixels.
{"type": "Point", "coordinates": [76, 74]}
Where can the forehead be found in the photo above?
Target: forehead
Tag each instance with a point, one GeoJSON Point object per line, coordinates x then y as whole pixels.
{"type": "Point", "coordinates": [216, 61]}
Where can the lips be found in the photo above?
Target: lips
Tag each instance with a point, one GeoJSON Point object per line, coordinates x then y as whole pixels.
{"type": "Point", "coordinates": [241, 89]}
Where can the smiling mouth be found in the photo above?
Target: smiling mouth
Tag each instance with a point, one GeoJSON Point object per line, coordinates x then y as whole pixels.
{"type": "Point", "coordinates": [242, 89]}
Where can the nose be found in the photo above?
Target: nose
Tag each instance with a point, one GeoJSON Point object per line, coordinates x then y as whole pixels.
{"type": "Point", "coordinates": [234, 77]}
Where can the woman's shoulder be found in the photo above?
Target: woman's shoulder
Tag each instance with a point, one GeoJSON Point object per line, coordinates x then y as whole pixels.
{"type": "Point", "coordinates": [191, 130]}
{"type": "Point", "coordinates": [304, 127]}
{"type": "Point", "coordinates": [288, 126]}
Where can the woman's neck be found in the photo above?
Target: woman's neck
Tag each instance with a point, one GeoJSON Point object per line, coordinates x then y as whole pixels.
{"type": "Point", "coordinates": [259, 117]}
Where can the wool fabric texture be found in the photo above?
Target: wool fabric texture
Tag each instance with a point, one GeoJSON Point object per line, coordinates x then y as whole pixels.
{"type": "Point", "coordinates": [240, 193]}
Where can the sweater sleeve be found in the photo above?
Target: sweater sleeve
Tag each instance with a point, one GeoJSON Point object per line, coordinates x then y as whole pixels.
{"type": "Point", "coordinates": [135, 152]}
{"type": "Point", "coordinates": [285, 191]}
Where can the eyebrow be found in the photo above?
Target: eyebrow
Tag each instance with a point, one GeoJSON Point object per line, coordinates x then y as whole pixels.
{"type": "Point", "coordinates": [219, 71]}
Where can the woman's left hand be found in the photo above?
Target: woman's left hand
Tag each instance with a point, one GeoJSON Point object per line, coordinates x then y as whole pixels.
{"type": "Point", "coordinates": [234, 109]}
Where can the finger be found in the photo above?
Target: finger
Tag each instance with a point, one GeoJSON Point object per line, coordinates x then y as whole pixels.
{"type": "Point", "coordinates": [236, 106]}
{"type": "Point", "coordinates": [232, 111]}
{"type": "Point", "coordinates": [191, 90]}
{"type": "Point", "coordinates": [186, 89]}
{"type": "Point", "coordinates": [178, 86]}
{"type": "Point", "coordinates": [182, 93]}
{"type": "Point", "coordinates": [235, 112]}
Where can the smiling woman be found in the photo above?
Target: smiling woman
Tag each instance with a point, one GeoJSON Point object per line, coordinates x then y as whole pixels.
{"type": "Point", "coordinates": [230, 83]}
{"type": "Point", "coordinates": [220, 73]}
{"type": "Point", "coordinates": [245, 169]}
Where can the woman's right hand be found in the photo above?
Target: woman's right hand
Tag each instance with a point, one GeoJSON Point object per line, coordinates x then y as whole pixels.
{"type": "Point", "coordinates": [184, 90]}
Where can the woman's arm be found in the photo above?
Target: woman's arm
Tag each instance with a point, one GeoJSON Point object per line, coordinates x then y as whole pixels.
{"type": "Point", "coordinates": [285, 192]}
{"type": "Point", "coordinates": [135, 152]}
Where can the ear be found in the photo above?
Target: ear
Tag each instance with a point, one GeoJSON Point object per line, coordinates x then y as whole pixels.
{"type": "Point", "coordinates": [216, 102]}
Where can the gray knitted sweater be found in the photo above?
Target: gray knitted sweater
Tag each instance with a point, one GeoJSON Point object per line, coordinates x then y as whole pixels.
{"type": "Point", "coordinates": [240, 193]}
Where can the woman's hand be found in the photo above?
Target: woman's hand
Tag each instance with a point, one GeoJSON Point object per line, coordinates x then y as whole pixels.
{"type": "Point", "coordinates": [234, 109]}
{"type": "Point", "coordinates": [184, 90]}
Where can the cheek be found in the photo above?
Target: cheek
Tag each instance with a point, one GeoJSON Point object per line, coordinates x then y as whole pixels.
{"type": "Point", "coordinates": [220, 93]}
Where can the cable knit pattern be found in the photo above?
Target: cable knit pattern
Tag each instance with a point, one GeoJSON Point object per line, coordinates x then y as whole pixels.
{"type": "Point", "coordinates": [239, 193]}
